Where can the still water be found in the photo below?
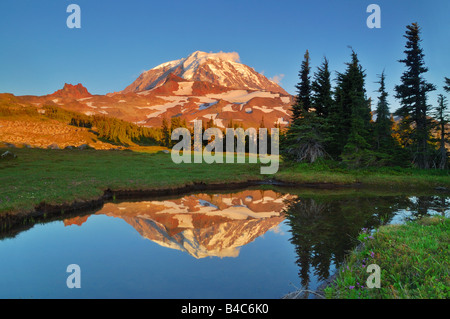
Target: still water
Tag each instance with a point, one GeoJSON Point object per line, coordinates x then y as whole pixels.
{"type": "Point", "coordinates": [253, 243]}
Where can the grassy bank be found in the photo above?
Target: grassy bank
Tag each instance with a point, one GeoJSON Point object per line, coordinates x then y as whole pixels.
{"type": "Point", "coordinates": [413, 259]}
{"type": "Point", "coordinates": [331, 172]}
{"type": "Point", "coordinates": [63, 176]}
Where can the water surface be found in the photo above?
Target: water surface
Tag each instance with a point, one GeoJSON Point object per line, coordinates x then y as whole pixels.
{"type": "Point", "coordinates": [253, 243]}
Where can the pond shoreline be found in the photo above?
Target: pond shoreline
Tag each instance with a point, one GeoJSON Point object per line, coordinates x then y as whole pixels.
{"type": "Point", "coordinates": [13, 223]}
{"type": "Point", "coordinates": [45, 210]}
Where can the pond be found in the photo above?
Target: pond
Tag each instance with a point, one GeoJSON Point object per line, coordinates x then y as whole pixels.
{"type": "Point", "coordinates": [255, 243]}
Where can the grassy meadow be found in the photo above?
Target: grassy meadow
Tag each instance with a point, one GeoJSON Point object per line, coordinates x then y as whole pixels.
{"type": "Point", "coordinates": [413, 259]}
{"type": "Point", "coordinates": [64, 176]}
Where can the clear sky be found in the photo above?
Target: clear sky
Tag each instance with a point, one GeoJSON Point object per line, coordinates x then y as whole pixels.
{"type": "Point", "coordinates": [119, 39]}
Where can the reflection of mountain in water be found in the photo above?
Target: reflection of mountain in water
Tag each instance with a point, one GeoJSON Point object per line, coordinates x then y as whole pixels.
{"type": "Point", "coordinates": [323, 227]}
{"type": "Point", "coordinates": [202, 224]}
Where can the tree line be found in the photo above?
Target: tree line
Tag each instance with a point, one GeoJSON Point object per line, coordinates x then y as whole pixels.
{"type": "Point", "coordinates": [338, 123]}
{"type": "Point", "coordinates": [176, 122]}
{"type": "Point", "coordinates": [108, 129]}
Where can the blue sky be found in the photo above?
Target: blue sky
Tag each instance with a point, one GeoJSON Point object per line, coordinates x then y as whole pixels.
{"type": "Point", "coordinates": [120, 39]}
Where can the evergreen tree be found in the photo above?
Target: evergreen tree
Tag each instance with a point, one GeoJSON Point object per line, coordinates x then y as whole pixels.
{"type": "Point", "coordinates": [388, 150]}
{"type": "Point", "coordinates": [442, 118]}
{"type": "Point", "coordinates": [322, 98]}
{"type": "Point", "coordinates": [337, 120]}
{"type": "Point", "coordinates": [166, 133]}
{"type": "Point", "coordinates": [447, 85]}
{"type": "Point", "coordinates": [303, 99]}
{"type": "Point", "coordinates": [350, 117]}
{"type": "Point", "coordinates": [304, 140]}
{"type": "Point", "coordinates": [412, 93]}
{"type": "Point", "coordinates": [262, 124]}
{"type": "Point", "coordinates": [356, 151]}
{"type": "Point", "coordinates": [383, 123]}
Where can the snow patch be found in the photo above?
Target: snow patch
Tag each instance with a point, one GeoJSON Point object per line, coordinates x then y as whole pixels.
{"type": "Point", "coordinates": [263, 108]}
{"type": "Point", "coordinates": [281, 121]}
{"type": "Point", "coordinates": [169, 64]}
{"type": "Point", "coordinates": [281, 109]}
{"type": "Point", "coordinates": [210, 116]}
{"type": "Point", "coordinates": [228, 108]}
{"type": "Point", "coordinates": [184, 88]}
{"type": "Point", "coordinates": [85, 98]}
{"type": "Point", "coordinates": [159, 109]}
{"type": "Point", "coordinates": [285, 99]}
{"type": "Point", "coordinates": [219, 123]}
{"type": "Point", "coordinates": [241, 96]}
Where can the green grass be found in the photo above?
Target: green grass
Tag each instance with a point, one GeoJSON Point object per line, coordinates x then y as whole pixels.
{"type": "Point", "coordinates": [413, 259]}
{"type": "Point", "coordinates": [332, 172]}
{"type": "Point", "coordinates": [65, 176]}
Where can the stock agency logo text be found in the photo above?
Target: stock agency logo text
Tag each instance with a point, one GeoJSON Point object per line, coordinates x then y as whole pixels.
{"type": "Point", "coordinates": [213, 152]}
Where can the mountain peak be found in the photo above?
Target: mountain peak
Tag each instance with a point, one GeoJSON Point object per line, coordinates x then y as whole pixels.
{"type": "Point", "coordinates": [221, 68]}
{"type": "Point", "coordinates": [226, 56]}
{"type": "Point", "coordinates": [173, 77]}
{"type": "Point", "coordinates": [72, 91]}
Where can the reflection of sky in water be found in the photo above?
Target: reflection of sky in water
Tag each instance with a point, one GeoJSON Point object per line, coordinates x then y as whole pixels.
{"type": "Point", "coordinates": [405, 215]}
{"type": "Point", "coordinates": [411, 213]}
{"type": "Point", "coordinates": [120, 260]}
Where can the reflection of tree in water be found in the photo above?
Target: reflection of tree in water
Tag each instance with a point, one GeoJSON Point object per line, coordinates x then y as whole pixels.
{"type": "Point", "coordinates": [324, 230]}
{"type": "Point", "coordinates": [424, 205]}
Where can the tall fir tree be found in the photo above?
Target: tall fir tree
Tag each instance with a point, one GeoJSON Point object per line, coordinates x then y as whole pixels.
{"type": "Point", "coordinates": [337, 119]}
{"type": "Point", "coordinates": [350, 116]}
{"type": "Point", "coordinates": [166, 133]}
{"type": "Point", "coordinates": [322, 97]}
{"type": "Point", "coordinates": [442, 119]}
{"type": "Point", "coordinates": [412, 93]}
{"type": "Point", "coordinates": [303, 99]}
{"type": "Point", "coordinates": [356, 151]}
{"type": "Point", "coordinates": [383, 123]}
{"type": "Point", "coordinates": [388, 150]}
{"type": "Point", "coordinates": [303, 140]}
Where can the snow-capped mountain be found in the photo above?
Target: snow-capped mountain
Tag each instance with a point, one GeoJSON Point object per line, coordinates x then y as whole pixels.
{"type": "Point", "coordinates": [221, 69]}
{"type": "Point", "coordinates": [204, 86]}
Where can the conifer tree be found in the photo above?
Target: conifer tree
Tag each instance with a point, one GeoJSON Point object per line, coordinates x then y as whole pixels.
{"type": "Point", "coordinates": [303, 99]}
{"type": "Point", "coordinates": [350, 117]}
{"type": "Point", "coordinates": [304, 140]}
{"type": "Point", "coordinates": [447, 85]}
{"type": "Point", "coordinates": [322, 98]}
{"type": "Point", "coordinates": [166, 133]}
{"type": "Point", "coordinates": [387, 147]}
{"type": "Point", "coordinates": [442, 118]}
{"type": "Point", "coordinates": [412, 93]}
{"type": "Point", "coordinates": [383, 123]}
